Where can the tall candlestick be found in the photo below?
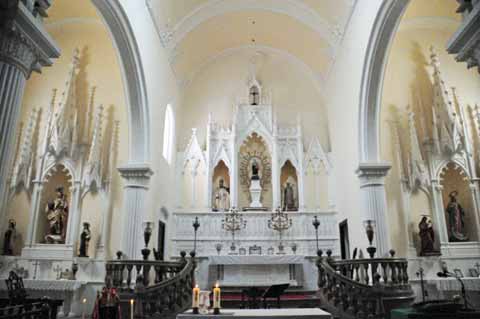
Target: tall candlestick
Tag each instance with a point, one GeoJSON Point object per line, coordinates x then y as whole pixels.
{"type": "Point", "coordinates": [216, 299]}
{"type": "Point", "coordinates": [131, 308]}
{"type": "Point", "coordinates": [196, 299]}
{"type": "Point", "coordinates": [84, 302]}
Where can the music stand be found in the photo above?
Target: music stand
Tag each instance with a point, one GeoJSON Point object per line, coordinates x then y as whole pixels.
{"type": "Point", "coordinates": [274, 291]}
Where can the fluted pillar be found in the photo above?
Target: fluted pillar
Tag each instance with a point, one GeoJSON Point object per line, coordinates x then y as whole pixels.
{"type": "Point", "coordinates": [136, 179]}
{"type": "Point", "coordinates": [374, 201]}
{"type": "Point", "coordinates": [25, 46]}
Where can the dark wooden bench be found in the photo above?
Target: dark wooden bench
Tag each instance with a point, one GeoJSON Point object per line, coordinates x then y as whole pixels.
{"type": "Point", "coordinates": [18, 305]}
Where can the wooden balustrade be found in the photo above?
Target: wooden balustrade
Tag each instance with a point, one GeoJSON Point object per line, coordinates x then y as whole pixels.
{"type": "Point", "coordinates": [363, 288]}
{"type": "Point", "coordinates": [160, 288]}
{"type": "Point", "coordinates": [126, 275]}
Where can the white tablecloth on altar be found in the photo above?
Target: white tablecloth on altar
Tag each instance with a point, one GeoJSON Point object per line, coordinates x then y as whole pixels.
{"type": "Point", "coordinates": [296, 313]}
{"type": "Point", "coordinates": [256, 260]}
{"type": "Point", "coordinates": [452, 284]}
{"type": "Point", "coordinates": [48, 285]}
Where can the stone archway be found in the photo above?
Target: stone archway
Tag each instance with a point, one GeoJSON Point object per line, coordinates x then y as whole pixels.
{"type": "Point", "coordinates": [123, 38]}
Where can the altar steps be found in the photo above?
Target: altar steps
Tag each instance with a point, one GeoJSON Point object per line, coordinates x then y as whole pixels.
{"type": "Point", "coordinates": [232, 299]}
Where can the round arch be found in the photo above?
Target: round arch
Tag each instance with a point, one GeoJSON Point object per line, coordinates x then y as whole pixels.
{"type": "Point", "coordinates": [135, 89]}
{"type": "Point", "coordinates": [384, 28]}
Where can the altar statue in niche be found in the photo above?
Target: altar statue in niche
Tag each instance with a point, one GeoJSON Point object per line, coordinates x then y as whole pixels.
{"type": "Point", "coordinates": [427, 237]}
{"type": "Point", "coordinates": [289, 202]}
{"type": "Point", "coordinates": [222, 197]}
{"type": "Point", "coordinates": [57, 215]}
{"type": "Point", "coordinates": [85, 240]}
{"type": "Point", "coordinates": [254, 171]}
{"type": "Point", "coordinates": [456, 219]}
{"type": "Point", "coordinates": [9, 238]}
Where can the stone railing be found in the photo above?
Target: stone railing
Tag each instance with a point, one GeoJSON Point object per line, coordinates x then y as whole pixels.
{"type": "Point", "coordinates": [363, 288]}
{"type": "Point", "coordinates": [126, 275]}
{"type": "Point", "coordinates": [158, 287]}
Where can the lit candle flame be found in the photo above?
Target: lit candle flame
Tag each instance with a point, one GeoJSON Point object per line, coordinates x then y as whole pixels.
{"type": "Point", "coordinates": [196, 286]}
{"type": "Point", "coordinates": [216, 285]}
{"type": "Point", "coordinates": [131, 301]}
{"type": "Point", "coordinates": [84, 300]}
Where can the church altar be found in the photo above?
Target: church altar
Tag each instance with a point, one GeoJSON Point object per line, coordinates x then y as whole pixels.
{"type": "Point", "coordinates": [255, 270]}
{"type": "Point", "coordinates": [313, 313]}
{"type": "Point", "coordinates": [256, 259]}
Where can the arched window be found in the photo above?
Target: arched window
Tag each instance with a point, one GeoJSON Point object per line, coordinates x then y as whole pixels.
{"type": "Point", "coordinates": [168, 132]}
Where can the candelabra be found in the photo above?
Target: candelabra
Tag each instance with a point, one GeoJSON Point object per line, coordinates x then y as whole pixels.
{"type": "Point", "coordinates": [232, 222]}
{"type": "Point", "coordinates": [316, 224]}
{"type": "Point", "coordinates": [369, 225]}
{"type": "Point", "coordinates": [147, 234]}
{"type": "Point", "coordinates": [280, 222]}
{"type": "Point", "coordinates": [195, 225]}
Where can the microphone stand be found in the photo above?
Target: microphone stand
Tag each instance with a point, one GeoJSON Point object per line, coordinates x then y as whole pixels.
{"type": "Point", "coordinates": [463, 290]}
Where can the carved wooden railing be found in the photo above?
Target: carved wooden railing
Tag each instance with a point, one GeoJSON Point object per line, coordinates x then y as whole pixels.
{"type": "Point", "coordinates": [159, 288]}
{"type": "Point", "coordinates": [363, 288]}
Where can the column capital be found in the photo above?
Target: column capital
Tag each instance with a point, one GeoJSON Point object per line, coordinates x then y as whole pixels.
{"type": "Point", "coordinates": [136, 174]}
{"type": "Point", "coordinates": [24, 42]}
{"type": "Point", "coordinates": [373, 172]}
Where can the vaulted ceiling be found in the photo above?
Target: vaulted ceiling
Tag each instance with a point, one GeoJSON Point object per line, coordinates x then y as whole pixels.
{"type": "Point", "coordinates": [196, 32]}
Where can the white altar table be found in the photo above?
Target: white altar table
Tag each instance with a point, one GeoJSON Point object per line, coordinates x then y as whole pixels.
{"type": "Point", "coordinates": [294, 313]}
{"type": "Point", "coordinates": [256, 270]}
{"type": "Point", "coordinates": [452, 284]}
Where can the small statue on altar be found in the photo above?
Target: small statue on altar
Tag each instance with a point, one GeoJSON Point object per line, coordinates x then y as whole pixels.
{"type": "Point", "coordinates": [57, 215]}
{"type": "Point", "coordinates": [84, 240]}
{"type": "Point", "coordinates": [427, 237]}
{"type": "Point", "coordinates": [254, 170]}
{"type": "Point", "coordinates": [456, 218]}
{"type": "Point", "coordinates": [222, 197]}
{"type": "Point", "coordinates": [107, 304]}
{"type": "Point", "coordinates": [9, 238]}
{"type": "Point", "coordinates": [289, 202]}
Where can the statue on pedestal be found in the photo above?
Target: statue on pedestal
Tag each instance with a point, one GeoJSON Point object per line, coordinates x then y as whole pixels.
{"type": "Point", "coordinates": [57, 215]}
{"type": "Point", "coordinates": [9, 239]}
{"type": "Point", "coordinates": [456, 219]}
{"type": "Point", "coordinates": [289, 202]}
{"type": "Point", "coordinates": [254, 170]}
{"type": "Point", "coordinates": [255, 183]}
{"type": "Point", "coordinates": [222, 197]}
{"type": "Point", "coordinates": [84, 240]}
{"type": "Point", "coordinates": [427, 237]}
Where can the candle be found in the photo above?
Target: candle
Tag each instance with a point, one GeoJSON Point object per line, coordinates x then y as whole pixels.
{"type": "Point", "coordinates": [196, 297]}
{"type": "Point", "coordinates": [216, 297]}
{"type": "Point", "coordinates": [84, 302]}
{"type": "Point", "coordinates": [131, 308]}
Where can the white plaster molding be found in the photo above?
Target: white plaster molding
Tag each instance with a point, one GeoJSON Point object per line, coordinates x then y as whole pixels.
{"type": "Point", "coordinates": [136, 175]}
{"type": "Point", "coordinates": [317, 79]}
{"type": "Point", "coordinates": [385, 26]}
{"type": "Point", "coordinates": [133, 76]}
{"type": "Point", "coordinates": [292, 8]}
{"type": "Point", "coordinates": [429, 23]}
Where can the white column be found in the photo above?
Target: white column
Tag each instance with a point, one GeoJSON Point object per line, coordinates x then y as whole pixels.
{"type": "Point", "coordinates": [300, 175]}
{"type": "Point", "coordinates": [34, 211]}
{"type": "Point", "coordinates": [136, 178]}
{"type": "Point", "coordinates": [24, 47]}
{"type": "Point", "coordinates": [374, 201]}
{"type": "Point", "coordinates": [234, 173]}
{"type": "Point", "coordinates": [74, 220]}
{"type": "Point", "coordinates": [276, 187]}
